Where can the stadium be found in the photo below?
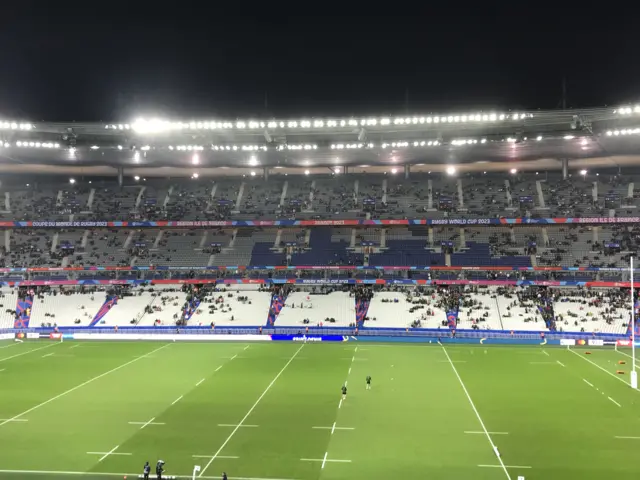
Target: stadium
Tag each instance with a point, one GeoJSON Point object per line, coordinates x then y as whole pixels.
{"type": "Point", "coordinates": [200, 291]}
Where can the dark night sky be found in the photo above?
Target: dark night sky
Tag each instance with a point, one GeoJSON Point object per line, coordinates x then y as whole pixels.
{"type": "Point", "coordinates": [110, 60]}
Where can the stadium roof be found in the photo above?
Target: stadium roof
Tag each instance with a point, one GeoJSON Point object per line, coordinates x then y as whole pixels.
{"type": "Point", "coordinates": [597, 136]}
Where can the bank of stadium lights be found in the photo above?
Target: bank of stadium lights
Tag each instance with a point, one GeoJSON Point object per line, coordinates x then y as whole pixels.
{"type": "Point", "coordinates": [50, 145]}
{"type": "Point", "coordinates": [627, 110]}
{"type": "Point", "coordinates": [4, 125]}
{"type": "Point", "coordinates": [155, 126]}
{"type": "Point", "coordinates": [469, 141]}
{"type": "Point", "coordinates": [298, 146]}
{"type": "Point", "coordinates": [187, 148]}
{"type": "Point", "coordinates": [119, 126]}
{"type": "Point", "coordinates": [243, 148]}
{"type": "Point", "coordinates": [624, 131]}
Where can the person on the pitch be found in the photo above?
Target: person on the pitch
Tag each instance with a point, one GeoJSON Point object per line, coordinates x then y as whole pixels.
{"type": "Point", "coordinates": [368, 382]}
{"type": "Point", "coordinates": [224, 476]}
{"type": "Point", "coordinates": [146, 470]}
{"type": "Point", "coordinates": [160, 469]}
{"type": "Point", "coordinates": [344, 392]}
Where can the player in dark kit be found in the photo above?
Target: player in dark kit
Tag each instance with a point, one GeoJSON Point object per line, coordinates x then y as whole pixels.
{"type": "Point", "coordinates": [159, 468]}
{"type": "Point", "coordinates": [344, 392]}
{"type": "Point", "coordinates": [224, 476]}
{"type": "Point", "coordinates": [368, 382]}
{"type": "Point", "coordinates": [146, 470]}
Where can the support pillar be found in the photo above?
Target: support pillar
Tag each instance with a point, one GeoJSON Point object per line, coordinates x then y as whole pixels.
{"type": "Point", "coordinates": [120, 175]}
{"type": "Point", "coordinates": [266, 174]}
{"type": "Point", "coordinates": [346, 170]}
{"type": "Point", "coordinates": [407, 170]}
{"type": "Point", "coordinates": [565, 168]}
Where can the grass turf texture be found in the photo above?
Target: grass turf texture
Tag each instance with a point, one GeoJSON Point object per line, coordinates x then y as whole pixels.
{"type": "Point", "coordinates": [560, 418]}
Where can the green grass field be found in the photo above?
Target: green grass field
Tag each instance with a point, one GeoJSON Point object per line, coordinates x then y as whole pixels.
{"type": "Point", "coordinates": [274, 411]}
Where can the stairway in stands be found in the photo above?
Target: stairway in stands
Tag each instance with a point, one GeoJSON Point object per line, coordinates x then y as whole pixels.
{"type": "Point", "coordinates": [23, 312]}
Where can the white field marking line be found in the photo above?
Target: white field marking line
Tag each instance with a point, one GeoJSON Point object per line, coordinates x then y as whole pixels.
{"type": "Point", "coordinates": [588, 383]}
{"type": "Point", "coordinates": [484, 429]}
{"type": "Point", "coordinates": [598, 366]}
{"type": "Point", "coordinates": [13, 420]}
{"type": "Point", "coordinates": [219, 456]}
{"type": "Point", "coordinates": [237, 426]}
{"type": "Point", "coordinates": [246, 347]}
{"type": "Point", "coordinates": [2, 369]}
{"type": "Point", "coordinates": [452, 361]}
{"type": "Point", "coordinates": [546, 353]}
{"type": "Point", "coordinates": [627, 355]}
{"type": "Point", "coordinates": [503, 466]}
{"type": "Point", "coordinates": [106, 454]}
{"type": "Point", "coordinates": [177, 399]}
{"type": "Point", "coordinates": [355, 350]}
{"type": "Point", "coordinates": [347, 373]}
{"type": "Point", "coordinates": [324, 460]}
{"type": "Point", "coordinates": [628, 438]}
{"type": "Point", "coordinates": [28, 351]}
{"type": "Point", "coordinates": [560, 363]}
{"type": "Point", "coordinates": [47, 355]}
{"type": "Point", "coordinates": [218, 368]}
{"type": "Point", "coordinates": [340, 404]}
{"type": "Point", "coordinates": [11, 345]}
{"type": "Point", "coordinates": [134, 475]}
{"type": "Point", "coordinates": [490, 433]}
{"type": "Point", "coordinates": [144, 424]}
{"type": "Point", "coordinates": [224, 444]}
{"type": "Point", "coordinates": [614, 401]}
{"type": "Point", "coordinates": [73, 389]}
{"type": "Point", "coordinates": [333, 428]}
{"type": "Point", "coordinates": [198, 384]}
{"type": "Point", "coordinates": [74, 346]}
{"type": "Point", "coordinates": [542, 363]}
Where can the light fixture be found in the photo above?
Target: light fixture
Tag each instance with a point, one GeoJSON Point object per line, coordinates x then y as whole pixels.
{"type": "Point", "coordinates": [195, 175]}
{"type": "Point", "coordinates": [394, 170]}
{"type": "Point", "coordinates": [72, 181]}
{"type": "Point", "coordinates": [195, 159]}
{"type": "Point", "coordinates": [513, 171]}
{"type": "Point", "coordinates": [539, 137]}
{"type": "Point", "coordinates": [253, 174]}
{"type": "Point", "coordinates": [136, 156]}
{"type": "Point", "coordinates": [306, 172]}
{"type": "Point", "coordinates": [451, 170]}
{"type": "Point", "coordinates": [583, 172]}
{"type": "Point", "coordinates": [136, 178]}
{"type": "Point", "coordinates": [253, 161]}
